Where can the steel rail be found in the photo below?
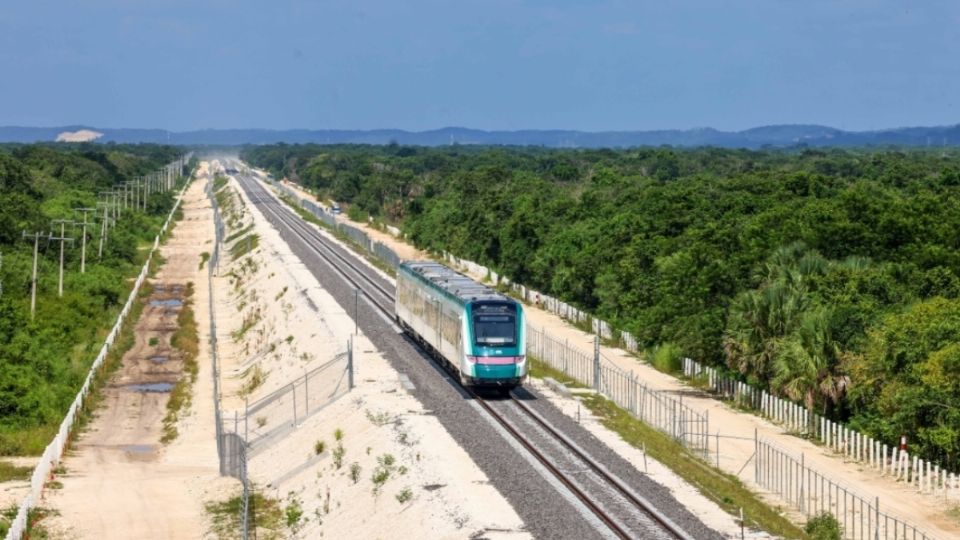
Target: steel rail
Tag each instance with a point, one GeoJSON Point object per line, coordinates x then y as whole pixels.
{"type": "Point", "coordinates": [638, 501]}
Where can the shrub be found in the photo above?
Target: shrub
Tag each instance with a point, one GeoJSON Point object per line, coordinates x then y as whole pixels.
{"type": "Point", "coordinates": [666, 357]}
{"type": "Point", "coordinates": [823, 526]}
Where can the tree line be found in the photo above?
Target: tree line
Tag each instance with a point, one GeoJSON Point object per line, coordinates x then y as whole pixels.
{"type": "Point", "coordinates": [44, 358]}
{"type": "Point", "coordinates": [827, 276]}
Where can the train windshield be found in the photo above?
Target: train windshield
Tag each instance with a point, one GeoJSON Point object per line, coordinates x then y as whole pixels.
{"type": "Point", "coordinates": [495, 324]}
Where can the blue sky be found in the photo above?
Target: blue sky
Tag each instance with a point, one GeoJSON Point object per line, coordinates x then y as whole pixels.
{"type": "Point", "coordinates": [494, 64]}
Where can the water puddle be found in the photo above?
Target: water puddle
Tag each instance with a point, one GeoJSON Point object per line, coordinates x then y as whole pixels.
{"type": "Point", "coordinates": [158, 358]}
{"type": "Point", "coordinates": [171, 302]}
{"type": "Point", "coordinates": [139, 448]}
{"type": "Point", "coordinates": [160, 387]}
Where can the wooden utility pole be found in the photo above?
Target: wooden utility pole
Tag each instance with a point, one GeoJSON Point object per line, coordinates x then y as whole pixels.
{"type": "Point", "coordinates": [33, 280]}
{"type": "Point", "coordinates": [83, 238]}
{"type": "Point", "coordinates": [63, 239]}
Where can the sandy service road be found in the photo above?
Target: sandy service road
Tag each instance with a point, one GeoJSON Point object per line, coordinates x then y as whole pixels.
{"type": "Point", "coordinates": [120, 481]}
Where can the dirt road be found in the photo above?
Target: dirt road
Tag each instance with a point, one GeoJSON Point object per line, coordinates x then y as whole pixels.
{"type": "Point", "coordinates": [120, 480]}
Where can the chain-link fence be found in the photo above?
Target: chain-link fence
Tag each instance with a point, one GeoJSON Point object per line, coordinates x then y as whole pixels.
{"type": "Point", "coordinates": [812, 493]}
{"type": "Point", "coordinates": [927, 476]}
{"type": "Point", "coordinates": [659, 409]}
{"type": "Point", "coordinates": [286, 408]}
{"type": "Point", "coordinates": [354, 234]}
{"type": "Point", "coordinates": [54, 451]}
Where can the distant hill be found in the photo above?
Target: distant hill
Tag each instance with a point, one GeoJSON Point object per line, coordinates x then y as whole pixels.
{"type": "Point", "coordinates": [776, 136]}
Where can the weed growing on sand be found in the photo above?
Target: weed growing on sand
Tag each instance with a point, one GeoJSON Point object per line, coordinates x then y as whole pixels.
{"type": "Point", "coordinates": [355, 472]}
{"type": "Point", "coordinates": [338, 454]}
{"type": "Point", "coordinates": [261, 421]}
{"type": "Point", "coordinates": [249, 320]}
{"type": "Point", "coordinates": [338, 434]}
{"type": "Point", "coordinates": [289, 339]}
{"type": "Point", "coordinates": [35, 516]}
{"type": "Point", "coordinates": [379, 418]}
{"type": "Point", "coordinates": [153, 342]}
{"type": "Point", "coordinates": [281, 293]}
{"type": "Point", "coordinates": [382, 472]}
{"type": "Point", "coordinates": [823, 526]}
{"type": "Point", "coordinates": [187, 340]}
{"type": "Point", "coordinates": [226, 517]}
{"type": "Point", "coordinates": [255, 377]}
{"type": "Point", "coordinates": [9, 471]}
{"type": "Point", "coordinates": [319, 447]}
{"type": "Point", "coordinates": [294, 513]}
{"type": "Point", "coordinates": [404, 495]}
{"type": "Point", "coordinates": [204, 257]}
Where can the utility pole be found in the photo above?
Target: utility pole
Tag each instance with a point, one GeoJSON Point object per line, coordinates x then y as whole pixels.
{"type": "Point", "coordinates": [103, 228]}
{"type": "Point", "coordinates": [33, 280]}
{"type": "Point", "coordinates": [63, 239]}
{"type": "Point", "coordinates": [83, 241]}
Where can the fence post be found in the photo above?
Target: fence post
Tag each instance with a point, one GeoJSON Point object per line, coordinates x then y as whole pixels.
{"type": "Point", "coordinates": [596, 363]}
{"type": "Point", "coordinates": [350, 363]}
{"type": "Point", "coordinates": [756, 457]}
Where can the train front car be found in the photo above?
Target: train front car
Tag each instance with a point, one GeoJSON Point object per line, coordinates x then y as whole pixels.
{"type": "Point", "coordinates": [494, 351]}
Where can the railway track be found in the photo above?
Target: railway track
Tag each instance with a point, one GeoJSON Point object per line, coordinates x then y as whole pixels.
{"type": "Point", "coordinates": [625, 513]}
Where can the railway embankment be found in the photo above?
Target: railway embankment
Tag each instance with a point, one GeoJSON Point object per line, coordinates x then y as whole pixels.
{"type": "Point", "coordinates": [324, 459]}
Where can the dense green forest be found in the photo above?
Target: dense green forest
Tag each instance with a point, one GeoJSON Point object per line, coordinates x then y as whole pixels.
{"type": "Point", "coordinates": [829, 276]}
{"type": "Point", "coordinates": [43, 361]}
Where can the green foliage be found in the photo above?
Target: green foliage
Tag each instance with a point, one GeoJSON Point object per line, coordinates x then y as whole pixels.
{"type": "Point", "coordinates": [777, 264]}
{"type": "Point", "coordinates": [405, 495]}
{"type": "Point", "coordinates": [823, 527]}
{"type": "Point", "coordinates": [667, 358]}
{"type": "Point", "coordinates": [43, 362]}
{"type": "Point", "coordinates": [266, 516]}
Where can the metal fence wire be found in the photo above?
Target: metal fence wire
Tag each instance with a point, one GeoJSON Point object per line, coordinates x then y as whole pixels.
{"type": "Point", "coordinates": [812, 493]}
{"type": "Point", "coordinates": [659, 409]}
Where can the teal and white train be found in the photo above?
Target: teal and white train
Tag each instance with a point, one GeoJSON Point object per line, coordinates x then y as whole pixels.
{"type": "Point", "coordinates": [478, 332]}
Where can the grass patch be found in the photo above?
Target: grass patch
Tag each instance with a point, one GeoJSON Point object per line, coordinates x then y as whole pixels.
{"type": "Point", "coordinates": [667, 358]}
{"type": "Point", "coordinates": [255, 376]}
{"type": "Point", "coordinates": [35, 529]}
{"type": "Point", "coordinates": [724, 489]}
{"type": "Point", "coordinates": [238, 234]}
{"type": "Point", "coordinates": [204, 257]}
{"type": "Point", "coordinates": [266, 517]}
{"type": "Point", "coordinates": [187, 340]}
{"type": "Point", "coordinates": [248, 322]}
{"type": "Point", "coordinates": [10, 472]}
{"type": "Point", "coordinates": [244, 245]}
{"type": "Point", "coordinates": [219, 182]}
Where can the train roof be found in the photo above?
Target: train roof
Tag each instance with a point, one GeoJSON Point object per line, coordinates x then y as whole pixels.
{"type": "Point", "coordinates": [452, 282]}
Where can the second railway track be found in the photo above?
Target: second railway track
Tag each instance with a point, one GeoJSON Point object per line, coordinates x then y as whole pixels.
{"type": "Point", "coordinates": [624, 513]}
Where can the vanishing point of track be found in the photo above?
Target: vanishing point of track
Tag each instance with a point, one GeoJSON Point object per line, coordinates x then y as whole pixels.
{"type": "Point", "coordinates": [383, 300]}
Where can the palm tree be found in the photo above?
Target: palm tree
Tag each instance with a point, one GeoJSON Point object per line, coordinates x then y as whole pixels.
{"type": "Point", "coordinates": [808, 367]}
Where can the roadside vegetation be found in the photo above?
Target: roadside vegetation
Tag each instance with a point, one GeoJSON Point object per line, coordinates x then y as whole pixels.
{"type": "Point", "coordinates": [186, 340]}
{"type": "Point", "coordinates": [43, 361]}
{"type": "Point", "coordinates": [828, 276]}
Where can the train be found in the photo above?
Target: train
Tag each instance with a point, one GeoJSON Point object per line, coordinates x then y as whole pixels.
{"type": "Point", "coordinates": [477, 332]}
